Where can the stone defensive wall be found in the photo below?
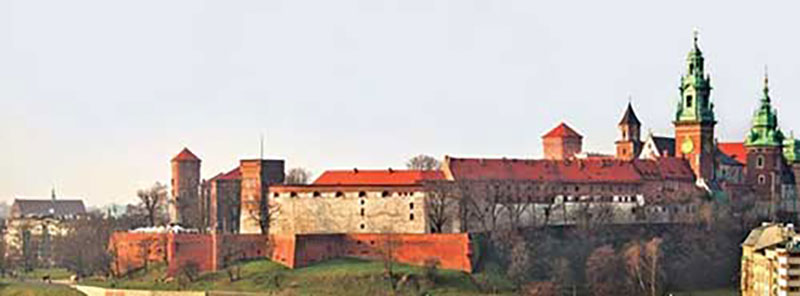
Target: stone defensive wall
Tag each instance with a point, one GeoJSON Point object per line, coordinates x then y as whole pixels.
{"type": "Point", "coordinates": [211, 252]}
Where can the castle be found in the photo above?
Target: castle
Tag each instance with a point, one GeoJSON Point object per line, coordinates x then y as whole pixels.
{"type": "Point", "coordinates": [652, 179]}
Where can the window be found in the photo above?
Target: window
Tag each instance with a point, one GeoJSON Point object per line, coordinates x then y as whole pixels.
{"type": "Point", "coordinates": [276, 195]}
{"type": "Point", "coordinates": [762, 179]}
{"type": "Point", "coordinates": [362, 194]}
{"type": "Point", "coordinates": [411, 206]}
{"type": "Point", "coordinates": [760, 162]}
{"type": "Point", "coordinates": [293, 194]}
{"type": "Point", "coordinates": [385, 194]}
{"type": "Point", "coordinates": [362, 212]}
{"type": "Point", "coordinates": [689, 100]}
{"type": "Point", "coordinates": [362, 202]}
{"type": "Point", "coordinates": [339, 194]}
{"type": "Point", "coordinates": [362, 226]}
{"type": "Point", "coordinates": [317, 194]}
{"type": "Point", "coordinates": [411, 217]}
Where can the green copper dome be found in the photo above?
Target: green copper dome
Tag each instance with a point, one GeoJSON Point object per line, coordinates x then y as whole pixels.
{"type": "Point", "coordinates": [764, 131]}
{"type": "Point", "coordinates": [695, 102]}
{"type": "Point", "coordinates": [791, 149]}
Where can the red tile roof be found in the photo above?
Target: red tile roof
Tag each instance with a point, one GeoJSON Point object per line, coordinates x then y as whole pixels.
{"type": "Point", "coordinates": [377, 177]}
{"type": "Point", "coordinates": [185, 155]}
{"type": "Point", "coordinates": [562, 131]}
{"type": "Point", "coordinates": [735, 150]}
{"type": "Point", "coordinates": [579, 171]}
{"type": "Point", "coordinates": [234, 174]}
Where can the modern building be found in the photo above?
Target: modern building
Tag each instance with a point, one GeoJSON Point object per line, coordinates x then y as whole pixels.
{"type": "Point", "coordinates": [771, 261]}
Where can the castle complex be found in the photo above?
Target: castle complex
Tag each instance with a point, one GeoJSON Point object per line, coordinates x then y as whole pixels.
{"type": "Point", "coordinates": [651, 179]}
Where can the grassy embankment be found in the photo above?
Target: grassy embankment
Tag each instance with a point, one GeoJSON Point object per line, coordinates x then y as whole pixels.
{"type": "Point", "coordinates": [30, 284]}
{"type": "Point", "coordinates": [335, 277]}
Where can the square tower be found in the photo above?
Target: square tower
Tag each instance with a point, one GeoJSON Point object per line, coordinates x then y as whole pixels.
{"type": "Point", "coordinates": [256, 177]}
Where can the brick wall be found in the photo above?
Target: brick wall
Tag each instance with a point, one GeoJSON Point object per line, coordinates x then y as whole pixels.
{"type": "Point", "coordinates": [133, 248]}
{"type": "Point", "coordinates": [211, 251]}
{"type": "Point", "coordinates": [452, 251]}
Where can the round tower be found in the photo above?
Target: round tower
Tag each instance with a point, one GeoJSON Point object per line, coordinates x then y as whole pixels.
{"type": "Point", "coordinates": [184, 205]}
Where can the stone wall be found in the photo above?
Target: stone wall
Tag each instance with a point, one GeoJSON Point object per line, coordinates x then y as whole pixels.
{"type": "Point", "coordinates": [318, 209]}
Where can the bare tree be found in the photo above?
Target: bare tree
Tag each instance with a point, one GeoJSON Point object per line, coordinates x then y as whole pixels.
{"type": "Point", "coordinates": [266, 214]}
{"type": "Point", "coordinates": [643, 266]}
{"type": "Point", "coordinates": [602, 271]}
{"type": "Point", "coordinates": [423, 162]}
{"type": "Point", "coordinates": [152, 200]}
{"type": "Point", "coordinates": [440, 201]}
{"type": "Point", "coordinates": [84, 251]}
{"type": "Point", "coordinates": [298, 176]}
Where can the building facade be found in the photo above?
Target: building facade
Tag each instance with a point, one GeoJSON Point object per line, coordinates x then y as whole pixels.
{"type": "Point", "coordinates": [771, 261]}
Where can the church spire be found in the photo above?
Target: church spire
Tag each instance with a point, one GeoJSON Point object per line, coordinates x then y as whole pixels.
{"type": "Point", "coordinates": [695, 102]}
{"type": "Point", "coordinates": [764, 130]}
{"type": "Point", "coordinates": [765, 98]}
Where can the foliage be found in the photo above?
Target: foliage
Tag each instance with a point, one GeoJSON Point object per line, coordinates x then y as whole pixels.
{"type": "Point", "coordinates": [298, 176]}
{"type": "Point", "coordinates": [423, 162]}
{"type": "Point", "coordinates": [152, 201]}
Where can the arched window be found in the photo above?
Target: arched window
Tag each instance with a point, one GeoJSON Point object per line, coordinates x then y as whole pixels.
{"type": "Point", "coordinates": [762, 179]}
{"type": "Point", "coordinates": [339, 194]}
{"type": "Point", "coordinates": [385, 194]}
{"type": "Point", "coordinates": [760, 162]}
{"type": "Point", "coordinates": [689, 100]}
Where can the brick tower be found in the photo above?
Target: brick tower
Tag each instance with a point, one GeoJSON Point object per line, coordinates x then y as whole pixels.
{"type": "Point", "coordinates": [764, 143]}
{"type": "Point", "coordinates": [184, 206]}
{"type": "Point", "coordinates": [562, 142]}
{"type": "Point", "coordinates": [257, 176]}
{"type": "Point", "coordinates": [629, 144]}
{"type": "Point", "coordinates": [694, 119]}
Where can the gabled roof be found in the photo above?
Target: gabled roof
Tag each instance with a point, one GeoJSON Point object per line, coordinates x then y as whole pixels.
{"type": "Point", "coordinates": [377, 177]}
{"type": "Point", "coordinates": [629, 117]}
{"type": "Point", "coordinates": [665, 144]}
{"type": "Point", "coordinates": [735, 150]}
{"type": "Point", "coordinates": [766, 236]}
{"type": "Point", "coordinates": [185, 155]}
{"type": "Point", "coordinates": [234, 174]}
{"type": "Point", "coordinates": [47, 207]}
{"type": "Point", "coordinates": [655, 147]}
{"type": "Point", "coordinates": [578, 171]}
{"type": "Point", "coordinates": [562, 131]}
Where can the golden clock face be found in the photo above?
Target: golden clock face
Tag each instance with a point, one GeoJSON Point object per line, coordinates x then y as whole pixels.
{"type": "Point", "coordinates": [687, 146]}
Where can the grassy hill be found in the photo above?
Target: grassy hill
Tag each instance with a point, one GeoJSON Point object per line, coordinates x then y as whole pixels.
{"type": "Point", "coordinates": [8, 288]}
{"type": "Point", "coordinates": [335, 277]}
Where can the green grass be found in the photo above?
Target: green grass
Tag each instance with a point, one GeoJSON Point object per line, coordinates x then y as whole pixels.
{"type": "Point", "coordinates": [718, 292]}
{"type": "Point", "coordinates": [8, 288]}
{"type": "Point", "coordinates": [334, 277]}
{"type": "Point", "coordinates": [54, 273]}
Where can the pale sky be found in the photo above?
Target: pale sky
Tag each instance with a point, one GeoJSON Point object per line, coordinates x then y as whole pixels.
{"type": "Point", "coordinates": [97, 96]}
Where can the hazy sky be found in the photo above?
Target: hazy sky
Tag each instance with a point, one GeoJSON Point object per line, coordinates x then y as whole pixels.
{"type": "Point", "coordinates": [97, 96]}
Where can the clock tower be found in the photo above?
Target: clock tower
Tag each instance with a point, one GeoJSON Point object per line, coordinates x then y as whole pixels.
{"type": "Point", "coordinates": [694, 119]}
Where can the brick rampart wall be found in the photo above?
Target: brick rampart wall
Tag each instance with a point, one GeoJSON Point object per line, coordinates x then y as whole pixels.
{"type": "Point", "coordinates": [211, 252]}
{"type": "Point", "coordinates": [133, 248]}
